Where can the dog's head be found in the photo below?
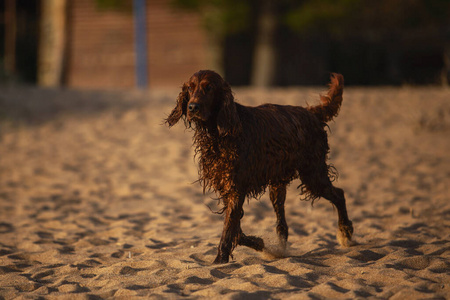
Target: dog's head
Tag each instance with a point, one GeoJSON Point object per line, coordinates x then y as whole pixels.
{"type": "Point", "coordinates": [207, 99]}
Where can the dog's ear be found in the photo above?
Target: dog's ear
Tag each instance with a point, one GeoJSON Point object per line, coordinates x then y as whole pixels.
{"type": "Point", "coordinates": [228, 122]}
{"type": "Point", "coordinates": [181, 107]}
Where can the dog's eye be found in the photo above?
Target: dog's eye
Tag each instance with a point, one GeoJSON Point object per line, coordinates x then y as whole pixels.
{"type": "Point", "coordinates": [190, 88]}
{"type": "Point", "coordinates": [208, 88]}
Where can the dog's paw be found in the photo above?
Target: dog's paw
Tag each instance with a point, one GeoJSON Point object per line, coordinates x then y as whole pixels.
{"type": "Point", "coordinates": [282, 242]}
{"type": "Point", "coordinates": [221, 259]}
{"type": "Point", "coordinates": [344, 235]}
{"type": "Point", "coordinates": [253, 242]}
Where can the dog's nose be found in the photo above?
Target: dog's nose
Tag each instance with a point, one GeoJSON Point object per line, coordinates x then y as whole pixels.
{"type": "Point", "coordinates": [194, 107]}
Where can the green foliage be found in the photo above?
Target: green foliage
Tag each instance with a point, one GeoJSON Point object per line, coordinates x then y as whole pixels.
{"type": "Point", "coordinates": [341, 16]}
{"type": "Point", "coordinates": [219, 17]}
{"type": "Point", "coordinates": [118, 5]}
{"type": "Point", "coordinates": [321, 14]}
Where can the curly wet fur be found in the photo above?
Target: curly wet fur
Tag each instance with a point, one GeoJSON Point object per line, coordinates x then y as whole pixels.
{"type": "Point", "coordinates": [242, 150]}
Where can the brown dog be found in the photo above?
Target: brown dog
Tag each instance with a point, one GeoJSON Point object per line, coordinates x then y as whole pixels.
{"type": "Point", "coordinates": [243, 149]}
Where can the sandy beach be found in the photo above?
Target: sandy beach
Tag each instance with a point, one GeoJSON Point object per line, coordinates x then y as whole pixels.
{"type": "Point", "coordinates": [98, 199]}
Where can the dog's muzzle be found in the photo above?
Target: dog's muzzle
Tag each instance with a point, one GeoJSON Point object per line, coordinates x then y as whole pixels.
{"type": "Point", "coordinates": [194, 111]}
{"type": "Point", "coordinates": [194, 108]}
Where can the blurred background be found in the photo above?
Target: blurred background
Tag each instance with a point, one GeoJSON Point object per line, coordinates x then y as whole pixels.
{"type": "Point", "coordinates": [110, 44]}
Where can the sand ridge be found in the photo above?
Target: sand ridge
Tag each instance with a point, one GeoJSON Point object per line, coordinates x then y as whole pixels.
{"type": "Point", "coordinates": [98, 200]}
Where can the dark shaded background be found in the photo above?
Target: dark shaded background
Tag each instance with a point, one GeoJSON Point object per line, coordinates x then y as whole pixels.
{"type": "Point", "coordinates": [373, 43]}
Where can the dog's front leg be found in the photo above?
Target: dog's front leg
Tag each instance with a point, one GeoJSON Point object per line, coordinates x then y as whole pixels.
{"type": "Point", "coordinates": [231, 229]}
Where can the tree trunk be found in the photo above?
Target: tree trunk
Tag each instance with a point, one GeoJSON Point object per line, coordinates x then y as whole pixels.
{"type": "Point", "coordinates": [10, 37]}
{"type": "Point", "coordinates": [445, 73]}
{"type": "Point", "coordinates": [216, 53]}
{"type": "Point", "coordinates": [264, 56]}
{"type": "Point", "coordinates": [52, 42]}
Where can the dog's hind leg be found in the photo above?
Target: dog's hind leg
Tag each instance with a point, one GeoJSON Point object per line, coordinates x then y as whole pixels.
{"type": "Point", "coordinates": [317, 182]}
{"type": "Point", "coordinates": [336, 196]}
{"type": "Point", "coordinates": [277, 197]}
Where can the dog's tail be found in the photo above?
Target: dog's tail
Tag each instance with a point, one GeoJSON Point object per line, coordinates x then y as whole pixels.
{"type": "Point", "coordinates": [331, 103]}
